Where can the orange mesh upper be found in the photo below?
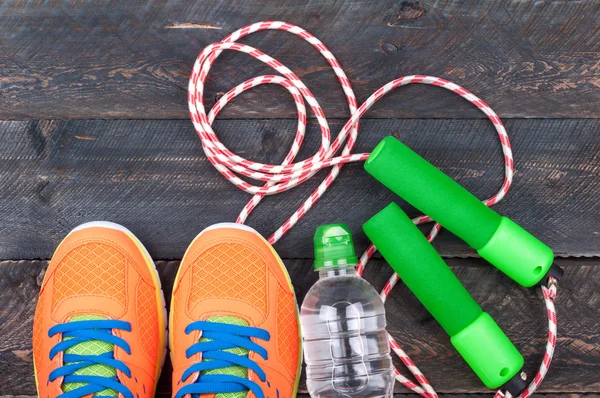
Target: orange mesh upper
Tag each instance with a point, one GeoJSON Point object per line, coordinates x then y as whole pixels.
{"type": "Point", "coordinates": [174, 316]}
{"type": "Point", "coordinates": [38, 330]}
{"type": "Point", "coordinates": [147, 319]}
{"type": "Point", "coordinates": [230, 271]}
{"type": "Point", "coordinates": [101, 271]}
{"type": "Point", "coordinates": [287, 330]}
{"type": "Point", "coordinates": [233, 272]}
{"type": "Point", "coordinates": [92, 269]}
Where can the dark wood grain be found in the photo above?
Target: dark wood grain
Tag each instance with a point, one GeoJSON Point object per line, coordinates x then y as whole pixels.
{"type": "Point", "coordinates": [120, 60]}
{"type": "Point", "coordinates": [520, 312]}
{"type": "Point", "coordinates": [153, 177]}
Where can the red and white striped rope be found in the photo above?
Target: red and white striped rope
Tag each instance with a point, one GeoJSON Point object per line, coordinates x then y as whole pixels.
{"type": "Point", "coordinates": [279, 178]}
{"type": "Point", "coordinates": [549, 293]}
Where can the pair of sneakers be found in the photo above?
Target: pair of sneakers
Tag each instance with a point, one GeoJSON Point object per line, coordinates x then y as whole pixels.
{"type": "Point", "coordinates": [100, 325]}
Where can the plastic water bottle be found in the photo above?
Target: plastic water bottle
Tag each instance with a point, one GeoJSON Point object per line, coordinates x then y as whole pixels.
{"type": "Point", "coordinates": [346, 347]}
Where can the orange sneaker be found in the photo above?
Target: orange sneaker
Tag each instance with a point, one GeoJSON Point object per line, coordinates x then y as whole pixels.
{"type": "Point", "coordinates": [99, 325]}
{"type": "Point", "coordinates": [234, 322]}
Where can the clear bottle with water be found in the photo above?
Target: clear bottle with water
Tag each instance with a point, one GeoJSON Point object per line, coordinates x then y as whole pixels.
{"type": "Point", "coordinates": [346, 347]}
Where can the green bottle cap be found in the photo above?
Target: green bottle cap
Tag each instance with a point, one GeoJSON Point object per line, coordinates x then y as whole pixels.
{"type": "Point", "coordinates": [333, 246]}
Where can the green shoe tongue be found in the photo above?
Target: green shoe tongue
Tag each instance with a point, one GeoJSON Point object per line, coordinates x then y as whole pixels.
{"type": "Point", "coordinates": [92, 347]}
{"type": "Point", "coordinates": [238, 371]}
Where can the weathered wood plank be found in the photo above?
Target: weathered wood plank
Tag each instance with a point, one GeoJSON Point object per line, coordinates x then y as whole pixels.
{"type": "Point", "coordinates": [116, 60]}
{"type": "Point", "coordinates": [152, 177]}
{"type": "Point", "coordinates": [520, 312]}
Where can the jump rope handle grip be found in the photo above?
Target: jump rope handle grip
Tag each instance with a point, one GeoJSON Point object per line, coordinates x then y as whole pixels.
{"type": "Point", "coordinates": [499, 240]}
{"type": "Point", "coordinates": [474, 334]}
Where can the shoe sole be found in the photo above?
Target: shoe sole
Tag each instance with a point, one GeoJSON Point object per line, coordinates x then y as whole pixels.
{"type": "Point", "coordinates": [287, 276]}
{"type": "Point", "coordinates": [162, 321]}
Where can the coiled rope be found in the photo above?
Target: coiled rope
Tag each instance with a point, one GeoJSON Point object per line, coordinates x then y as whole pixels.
{"type": "Point", "coordinates": [274, 179]}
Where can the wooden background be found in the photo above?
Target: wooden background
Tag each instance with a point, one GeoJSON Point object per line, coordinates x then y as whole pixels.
{"type": "Point", "coordinates": [94, 125]}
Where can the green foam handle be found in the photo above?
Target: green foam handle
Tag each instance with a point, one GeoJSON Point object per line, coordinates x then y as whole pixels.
{"type": "Point", "coordinates": [503, 243]}
{"type": "Point", "coordinates": [473, 332]}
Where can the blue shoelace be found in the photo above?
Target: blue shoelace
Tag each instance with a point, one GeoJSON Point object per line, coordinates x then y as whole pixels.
{"type": "Point", "coordinates": [85, 331]}
{"type": "Point", "coordinates": [223, 337]}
